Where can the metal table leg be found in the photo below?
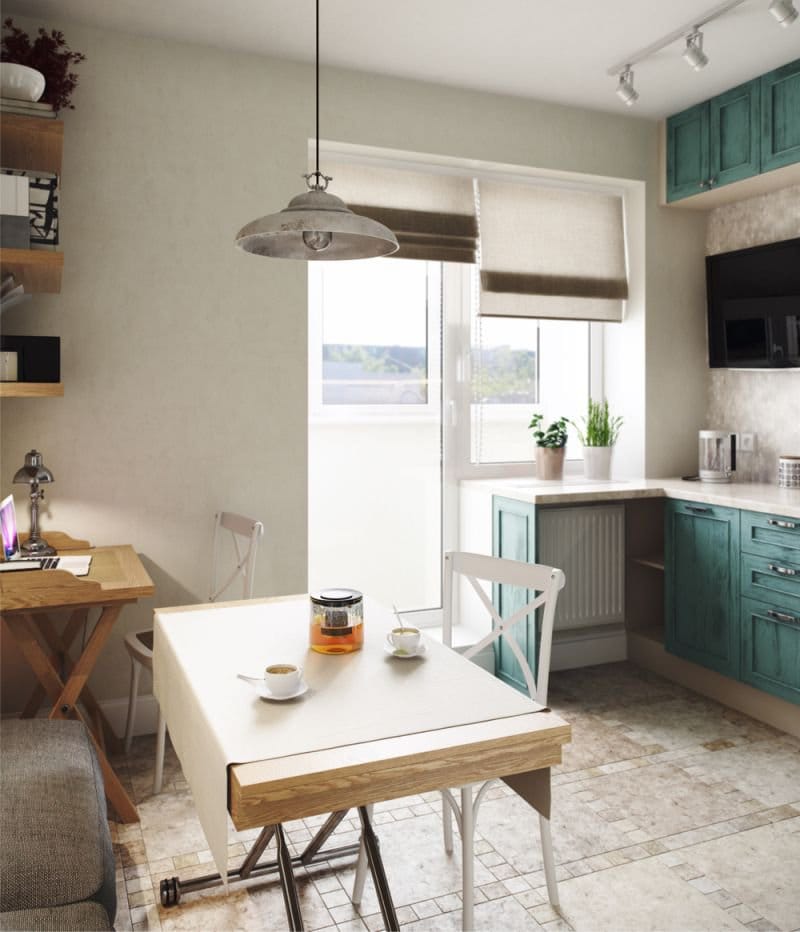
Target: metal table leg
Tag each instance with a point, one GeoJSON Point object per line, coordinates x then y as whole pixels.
{"type": "Point", "coordinates": [288, 887]}
{"type": "Point", "coordinates": [378, 873]}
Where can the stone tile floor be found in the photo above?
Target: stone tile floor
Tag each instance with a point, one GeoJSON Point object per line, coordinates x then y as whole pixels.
{"type": "Point", "coordinates": [670, 812]}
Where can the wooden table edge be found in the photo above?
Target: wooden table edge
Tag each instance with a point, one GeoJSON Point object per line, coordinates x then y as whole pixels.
{"type": "Point", "coordinates": [302, 785]}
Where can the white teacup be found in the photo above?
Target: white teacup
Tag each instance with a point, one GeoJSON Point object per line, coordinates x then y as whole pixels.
{"type": "Point", "coordinates": [282, 679]}
{"type": "Point", "coordinates": [405, 639]}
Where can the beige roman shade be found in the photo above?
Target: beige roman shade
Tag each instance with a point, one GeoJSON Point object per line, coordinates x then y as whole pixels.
{"type": "Point", "coordinates": [431, 214]}
{"type": "Point", "coordinates": [551, 252]}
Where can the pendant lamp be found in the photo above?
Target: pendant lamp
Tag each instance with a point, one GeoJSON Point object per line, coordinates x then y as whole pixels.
{"type": "Point", "coordinates": [317, 225]}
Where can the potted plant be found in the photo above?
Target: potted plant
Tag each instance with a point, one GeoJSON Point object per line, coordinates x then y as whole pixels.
{"type": "Point", "coordinates": [47, 54]}
{"type": "Point", "coordinates": [598, 436]}
{"type": "Point", "coordinates": [550, 445]}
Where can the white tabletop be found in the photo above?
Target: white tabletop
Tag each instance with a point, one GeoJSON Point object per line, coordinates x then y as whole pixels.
{"type": "Point", "coordinates": [216, 719]}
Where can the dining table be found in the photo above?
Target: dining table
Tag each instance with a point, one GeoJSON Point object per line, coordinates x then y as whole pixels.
{"type": "Point", "coordinates": [371, 726]}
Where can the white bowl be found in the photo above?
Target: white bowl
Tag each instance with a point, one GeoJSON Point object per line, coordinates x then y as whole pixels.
{"type": "Point", "coordinates": [19, 82]}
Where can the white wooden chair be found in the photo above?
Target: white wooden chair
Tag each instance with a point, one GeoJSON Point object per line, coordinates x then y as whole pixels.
{"type": "Point", "coordinates": [545, 583]}
{"type": "Point", "coordinates": [245, 534]}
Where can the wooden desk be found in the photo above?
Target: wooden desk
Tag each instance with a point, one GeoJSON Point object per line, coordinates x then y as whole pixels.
{"type": "Point", "coordinates": [371, 727]}
{"type": "Point", "coordinates": [116, 578]}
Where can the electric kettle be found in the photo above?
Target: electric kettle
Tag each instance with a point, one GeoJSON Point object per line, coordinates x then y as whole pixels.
{"type": "Point", "coordinates": [717, 456]}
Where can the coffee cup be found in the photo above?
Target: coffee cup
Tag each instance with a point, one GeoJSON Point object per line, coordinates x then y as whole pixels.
{"type": "Point", "coordinates": [405, 639]}
{"type": "Point", "coordinates": [282, 679]}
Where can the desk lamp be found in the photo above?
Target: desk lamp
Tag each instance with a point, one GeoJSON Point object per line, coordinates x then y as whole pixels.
{"type": "Point", "coordinates": [33, 473]}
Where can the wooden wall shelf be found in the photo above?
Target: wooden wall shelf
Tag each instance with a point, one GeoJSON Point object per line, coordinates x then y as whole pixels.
{"type": "Point", "coordinates": [39, 270]}
{"type": "Point", "coordinates": [32, 143]}
{"type": "Point", "coordinates": [31, 389]}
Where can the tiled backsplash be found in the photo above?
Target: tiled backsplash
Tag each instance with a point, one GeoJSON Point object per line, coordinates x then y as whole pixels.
{"type": "Point", "coordinates": [765, 403]}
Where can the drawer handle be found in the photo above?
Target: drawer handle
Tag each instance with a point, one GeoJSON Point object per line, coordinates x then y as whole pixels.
{"type": "Point", "coordinates": [697, 510]}
{"type": "Point", "coordinates": [782, 616]}
{"type": "Point", "coordinates": [782, 570]}
{"type": "Point", "coordinates": [791, 525]}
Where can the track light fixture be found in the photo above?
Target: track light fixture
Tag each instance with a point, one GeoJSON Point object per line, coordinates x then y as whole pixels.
{"type": "Point", "coordinates": [625, 89]}
{"type": "Point", "coordinates": [783, 11]}
{"type": "Point", "coordinates": [693, 54]}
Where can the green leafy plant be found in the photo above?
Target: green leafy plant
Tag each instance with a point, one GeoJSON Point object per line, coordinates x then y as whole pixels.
{"type": "Point", "coordinates": [49, 54]}
{"type": "Point", "coordinates": [554, 437]}
{"type": "Point", "coordinates": [599, 428]}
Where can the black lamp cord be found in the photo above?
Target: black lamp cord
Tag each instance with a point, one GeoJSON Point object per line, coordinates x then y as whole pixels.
{"type": "Point", "coordinates": [317, 88]}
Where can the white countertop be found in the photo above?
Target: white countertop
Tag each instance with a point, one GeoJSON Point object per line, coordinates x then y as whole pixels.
{"type": "Point", "coordinates": [750, 496]}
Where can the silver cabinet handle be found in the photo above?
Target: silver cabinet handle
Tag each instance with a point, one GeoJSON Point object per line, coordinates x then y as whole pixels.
{"type": "Point", "coordinates": [791, 525]}
{"type": "Point", "coordinates": [782, 570]}
{"type": "Point", "coordinates": [782, 616]}
{"type": "Point", "coordinates": [697, 510]}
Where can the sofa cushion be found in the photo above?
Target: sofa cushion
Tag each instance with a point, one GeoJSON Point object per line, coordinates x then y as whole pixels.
{"type": "Point", "coordinates": [88, 916]}
{"type": "Point", "coordinates": [56, 846]}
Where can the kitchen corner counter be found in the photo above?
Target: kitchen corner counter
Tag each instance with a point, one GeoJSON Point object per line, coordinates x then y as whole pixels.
{"type": "Point", "coordinates": [749, 496]}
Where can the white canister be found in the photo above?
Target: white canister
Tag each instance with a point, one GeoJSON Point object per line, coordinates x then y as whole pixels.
{"type": "Point", "coordinates": [597, 462]}
{"type": "Point", "coordinates": [789, 472]}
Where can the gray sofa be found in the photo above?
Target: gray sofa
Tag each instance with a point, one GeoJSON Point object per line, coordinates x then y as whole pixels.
{"type": "Point", "coordinates": [56, 860]}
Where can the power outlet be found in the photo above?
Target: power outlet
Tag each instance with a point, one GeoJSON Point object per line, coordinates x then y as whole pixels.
{"type": "Point", "coordinates": [746, 443]}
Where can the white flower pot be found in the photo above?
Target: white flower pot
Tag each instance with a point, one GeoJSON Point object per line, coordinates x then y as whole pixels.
{"type": "Point", "coordinates": [19, 82]}
{"type": "Point", "coordinates": [597, 462]}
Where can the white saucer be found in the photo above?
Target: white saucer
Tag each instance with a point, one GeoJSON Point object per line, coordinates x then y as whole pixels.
{"type": "Point", "coordinates": [261, 688]}
{"type": "Point", "coordinates": [392, 651]}
{"type": "Point", "coordinates": [264, 693]}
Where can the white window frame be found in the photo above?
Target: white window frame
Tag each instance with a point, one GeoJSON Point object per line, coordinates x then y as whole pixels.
{"type": "Point", "coordinates": [317, 411]}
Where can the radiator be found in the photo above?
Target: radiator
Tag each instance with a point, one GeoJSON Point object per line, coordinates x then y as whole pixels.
{"type": "Point", "coordinates": [589, 545]}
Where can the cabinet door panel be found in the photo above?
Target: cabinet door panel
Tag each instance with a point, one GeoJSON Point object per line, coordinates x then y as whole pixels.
{"type": "Point", "coordinates": [687, 152]}
{"type": "Point", "coordinates": [771, 535]}
{"type": "Point", "coordinates": [735, 136]}
{"type": "Point", "coordinates": [702, 585]}
{"type": "Point", "coordinates": [771, 649]}
{"type": "Point", "coordinates": [771, 580]}
{"type": "Point", "coordinates": [513, 539]}
{"type": "Point", "coordinates": [780, 117]}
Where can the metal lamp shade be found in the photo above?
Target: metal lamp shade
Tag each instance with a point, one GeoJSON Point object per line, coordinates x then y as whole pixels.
{"type": "Point", "coordinates": [34, 470]}
{"type": "Point", "coordinates": [281, 235]}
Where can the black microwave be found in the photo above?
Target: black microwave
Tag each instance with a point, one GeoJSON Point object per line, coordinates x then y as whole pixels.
{"type": "Point", "coordinates": [754, 307]}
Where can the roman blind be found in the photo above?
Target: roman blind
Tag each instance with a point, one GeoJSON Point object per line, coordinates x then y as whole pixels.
{"type": "Point", "coordinates": [431, 214]}
{"type": "Point", "coordinates": [551, 252]}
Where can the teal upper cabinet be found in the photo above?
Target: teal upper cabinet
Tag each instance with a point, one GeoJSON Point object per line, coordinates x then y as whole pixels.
{"type": "Point", "coordinates": [714, 143]}
{"type": "Point", "coordinates": [780, 117]}
{"type": "Point", "coordinates": [748, 130]}
{"type": "Point", "coordinates": [687, 152]}
{"type": "Point", "coordinates": [701, 546]}
{"type": "Point", "coordinates": [735, 137]}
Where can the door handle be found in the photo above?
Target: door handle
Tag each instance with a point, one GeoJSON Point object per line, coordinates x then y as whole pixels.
{"type": "Point", "coordinates": [698, 510]}
{"type": "Point", "coordinates": [782, 570]}
{"type": "Point", "coordinates": [784, 617]}
{"type": "Point", "coordinates": [791, 525]}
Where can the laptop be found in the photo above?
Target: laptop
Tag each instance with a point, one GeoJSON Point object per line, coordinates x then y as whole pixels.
{"type": "Point", "coordinates": [16, 560]}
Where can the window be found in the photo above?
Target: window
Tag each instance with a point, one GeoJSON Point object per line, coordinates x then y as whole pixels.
{"type": "Point", "coordinates": [372, 336]}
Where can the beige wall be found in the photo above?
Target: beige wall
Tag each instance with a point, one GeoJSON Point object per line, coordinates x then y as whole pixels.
{"type": "Point", "coordinates": [765, 403]}
{"type": "Point", "coordinates": [185, 360]}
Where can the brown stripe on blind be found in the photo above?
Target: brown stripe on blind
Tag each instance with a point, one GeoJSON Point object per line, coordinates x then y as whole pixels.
{"type": "Point", "coordinates": [437, 237]}
{"type": "Point", "coordinates": [566, 286]}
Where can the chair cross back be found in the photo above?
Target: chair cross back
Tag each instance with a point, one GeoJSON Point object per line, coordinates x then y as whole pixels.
{"type": "Point", "coordinates": [544, 580]}
{"type": "Point", "coordinates": [245, 534]}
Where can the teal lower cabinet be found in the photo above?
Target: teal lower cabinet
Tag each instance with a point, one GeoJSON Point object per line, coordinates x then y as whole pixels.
{"type": "Point", "coordinates": [732, 593]}
{"type": "Point", "coordinates": [702, 583]}
{"type": "Point", "coordinates": [771, 648]}
{"type": "Point", "coordinates": [514, 538]}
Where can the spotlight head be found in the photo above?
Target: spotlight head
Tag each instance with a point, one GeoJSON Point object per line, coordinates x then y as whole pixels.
{"type": "Point", "coordinates": [783, 11]}
{"type": "Point", "coordinates": [625, 89]}
{"type": "Point", "coordinates": [693, 54]}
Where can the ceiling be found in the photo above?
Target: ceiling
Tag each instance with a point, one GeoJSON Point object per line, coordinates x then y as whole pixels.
{"type": "Point", "coordinates": [556, 50]}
